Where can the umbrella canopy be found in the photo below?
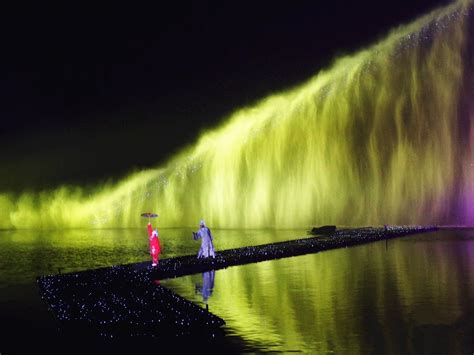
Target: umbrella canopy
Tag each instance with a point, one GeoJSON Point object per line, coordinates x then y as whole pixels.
{"type": "Point", "coordinates": [149, 215]}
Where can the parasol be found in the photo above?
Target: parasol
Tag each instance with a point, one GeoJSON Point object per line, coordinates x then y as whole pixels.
{"type": "Point", "coordinates": [149, 215]}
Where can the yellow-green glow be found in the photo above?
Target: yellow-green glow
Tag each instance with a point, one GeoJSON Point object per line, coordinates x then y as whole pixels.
{"type": "Point", "coordinates": [374, 139]}
{"type": "Point", "coordinates": [373, 289]}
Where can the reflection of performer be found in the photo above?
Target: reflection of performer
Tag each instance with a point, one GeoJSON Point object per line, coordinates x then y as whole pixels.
{"type": "Point", "coordinates": [155, 248]}
{"type": "Point", "coordinates": [207, 285]}
{"type": "Point", "coordinates": [207, 247]}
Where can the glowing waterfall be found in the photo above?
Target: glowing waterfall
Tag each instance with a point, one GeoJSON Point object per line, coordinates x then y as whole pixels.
{"type": "Point", "coordinates": [383, 136]}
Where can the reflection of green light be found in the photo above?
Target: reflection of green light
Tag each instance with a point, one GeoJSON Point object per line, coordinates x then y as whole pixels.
{"type": "Point", "coordinates": [345, 300]}
{"type": "Point", "coordinates": [372, 140]}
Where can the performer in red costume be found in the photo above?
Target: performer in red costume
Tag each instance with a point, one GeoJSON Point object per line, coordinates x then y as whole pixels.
{"type": "Point", "coordinates": [155, 248]}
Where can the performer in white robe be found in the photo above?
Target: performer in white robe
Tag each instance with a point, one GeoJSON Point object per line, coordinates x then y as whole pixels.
{"type": "Point", "coordinates": [207, 247]}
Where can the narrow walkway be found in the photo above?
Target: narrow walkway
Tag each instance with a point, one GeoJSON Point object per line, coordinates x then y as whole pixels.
{"type": "Point", "coordinates": [187, 265]}
{"type": "Point", "coordinates": [127, 300]}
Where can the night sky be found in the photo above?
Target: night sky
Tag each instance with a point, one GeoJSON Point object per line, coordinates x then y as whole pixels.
{"type": "Point", "coordinates": [89, 94]}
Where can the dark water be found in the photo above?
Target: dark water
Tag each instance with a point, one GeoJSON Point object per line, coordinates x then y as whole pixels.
{"type": "Point", "coordinates": [412, 295]}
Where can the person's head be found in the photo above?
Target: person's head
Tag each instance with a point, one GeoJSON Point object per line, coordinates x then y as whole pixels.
{"type": "Point", "coordinates": [202, 223]}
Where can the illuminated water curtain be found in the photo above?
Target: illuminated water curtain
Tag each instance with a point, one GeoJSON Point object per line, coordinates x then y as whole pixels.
{"type": "Point", "coordinates": [383, 136]}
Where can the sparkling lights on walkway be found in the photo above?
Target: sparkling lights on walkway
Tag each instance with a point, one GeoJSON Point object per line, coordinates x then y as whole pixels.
{"type": "Point", "coordinates": [128, 301]}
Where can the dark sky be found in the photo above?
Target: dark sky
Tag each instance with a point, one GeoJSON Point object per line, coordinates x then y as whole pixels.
{"type": "Point", "coordinates": [92, 93]}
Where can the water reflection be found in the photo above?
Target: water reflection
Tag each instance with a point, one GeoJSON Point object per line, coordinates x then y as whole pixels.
{"type": "Point", "coordinates": [410, 295]}
{"type": "Point", "coordinates": [206, 286]}
{"type": "Point", "coordinates": [415, 296]}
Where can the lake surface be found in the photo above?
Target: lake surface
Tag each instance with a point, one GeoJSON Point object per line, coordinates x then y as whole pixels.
{"type": "Point", "coordinates": [409, 295]}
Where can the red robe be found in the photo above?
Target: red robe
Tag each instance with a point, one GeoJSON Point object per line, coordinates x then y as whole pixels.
{"type": "Point", "coordinates": [155, 248]}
